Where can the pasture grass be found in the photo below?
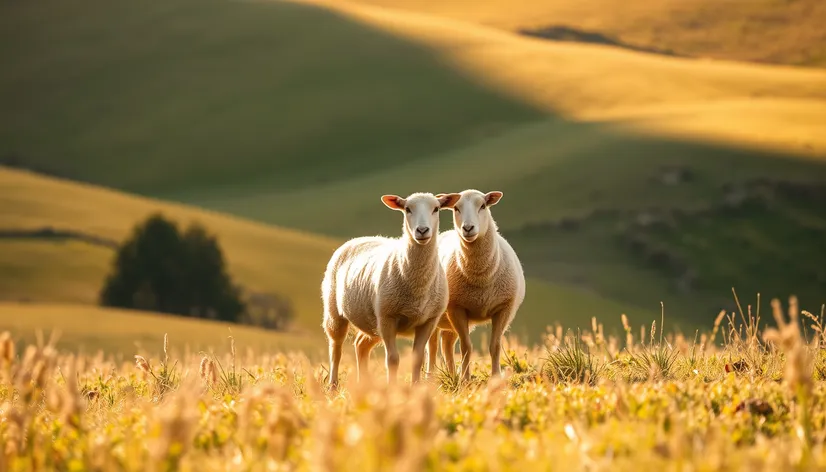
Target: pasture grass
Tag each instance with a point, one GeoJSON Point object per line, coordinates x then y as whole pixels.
{"type": "Point", "coordinates": [260, 257]}
{"type": "Point", "coordinates": [738, 396]}
{"type": "Point", "coordinates": [771, 31]}
{"type": "Point", "coordinates": [115, 332]}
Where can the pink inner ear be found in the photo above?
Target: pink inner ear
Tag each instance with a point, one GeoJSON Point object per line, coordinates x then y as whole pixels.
{"type": "Point", "coordinates": [393, 202]}
{"type": "Point", "coordinates": [447, 200]}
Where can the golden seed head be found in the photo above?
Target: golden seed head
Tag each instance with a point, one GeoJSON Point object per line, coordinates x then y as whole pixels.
{"type": "Point", "coordinates": [202, 370]}
{"type": "Point", "coordinates": [142, 364]}
{"type": "Point", "coordinates": [6, 347]}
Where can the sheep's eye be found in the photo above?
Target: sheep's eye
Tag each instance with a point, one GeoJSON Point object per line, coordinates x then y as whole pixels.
{"type": "Point", "coordinates": [435, 209]}
{"type": "Point", "coordinates": [483, 207]}
{"type": "Point", "coordinates": [408, 210]}
{"type": "Point", "coordinates": [456, 210]}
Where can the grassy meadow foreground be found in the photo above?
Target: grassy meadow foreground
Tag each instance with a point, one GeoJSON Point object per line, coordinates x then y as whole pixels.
{"type": "Point", "coordinates": [738, 397]}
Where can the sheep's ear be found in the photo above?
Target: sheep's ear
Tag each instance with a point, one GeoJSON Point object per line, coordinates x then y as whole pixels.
{"type": "Point", "coordinates": [393, 202]}
{"type": "Point", "coordinates": [492, 198]}
{"type": "Point", "coordinates": [448, 200]}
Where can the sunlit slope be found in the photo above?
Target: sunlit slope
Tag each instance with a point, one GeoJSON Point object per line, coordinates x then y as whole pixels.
{"type": "Point", "coordinates": [124, 333]}
{"type": "Point", "coordinates": [188, 95]}
{"type": "Point", "coordinates": [591, 82]}
{"type": "Point", "coordinates": [263, 258]}
{"type": "Point", "coordinates": [760, 30]}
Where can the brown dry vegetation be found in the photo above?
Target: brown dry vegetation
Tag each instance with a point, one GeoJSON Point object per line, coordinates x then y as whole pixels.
{"type": "Point", "coordinates": [751, 402]}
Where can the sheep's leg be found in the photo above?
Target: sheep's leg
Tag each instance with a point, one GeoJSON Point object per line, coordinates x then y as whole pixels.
{"type": "Point", "coordinates": [387, 331]}
{"type": "Point", "coordinates": [458, 317]}
{"type": "Point", "coordinates": [432, 351]}
{"type": "Point", "coordinates": [499, 322]}
{"type": "Point", "coordinates": [448, 348]}
{"type": "Point", "coordinates": [364, 344]}
{"type": "Point", "coordinates": [423, 335]}
{"type": "Point", "coordinates": [336, 328]}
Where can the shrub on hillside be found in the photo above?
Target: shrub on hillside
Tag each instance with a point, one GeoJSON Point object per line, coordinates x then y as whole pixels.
{"type": "Point", "coordinates": [159, 268]}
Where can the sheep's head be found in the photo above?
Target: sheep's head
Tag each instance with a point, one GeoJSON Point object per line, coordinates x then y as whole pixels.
{"type": "Point", "coordinates": [421, 219]}
{"type": "Point", "coordinates": [471, 215]}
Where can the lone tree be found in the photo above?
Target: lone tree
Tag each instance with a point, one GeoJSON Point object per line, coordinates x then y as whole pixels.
{"type": "Point", "coordinates": [158, 268]}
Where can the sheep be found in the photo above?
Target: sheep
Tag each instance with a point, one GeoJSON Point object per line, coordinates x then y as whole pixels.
{"type": "Point", "coordinates": [388, 287]}
{"type": "Point", "coordinates": [486, 282]}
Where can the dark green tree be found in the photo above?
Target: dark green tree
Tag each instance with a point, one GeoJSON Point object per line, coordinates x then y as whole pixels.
{"type": "Point", "coordinates": [160, 269]}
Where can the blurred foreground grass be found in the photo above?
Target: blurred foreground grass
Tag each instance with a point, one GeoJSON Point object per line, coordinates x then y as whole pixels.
{"type": "Point", "coordinates": [738, 397]}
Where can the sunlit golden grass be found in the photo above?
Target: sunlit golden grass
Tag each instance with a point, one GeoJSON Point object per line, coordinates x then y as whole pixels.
{"type": "Point", "coordinates": [594, 82]}
{"type": "Point", "coordinates": [738, 397]}
{"type": "Point", "coordinates": [261, 257]}
{"type": "Point", "coordinates": [761, 30]}
{"type": "Point", "coordinates": [116, 332]}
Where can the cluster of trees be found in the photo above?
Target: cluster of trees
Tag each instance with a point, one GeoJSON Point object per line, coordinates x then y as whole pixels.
{"type": "Point", "coordinates": [161, 268]}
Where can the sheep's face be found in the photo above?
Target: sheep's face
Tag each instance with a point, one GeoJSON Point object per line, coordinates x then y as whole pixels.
{"type": "Point", "coordinates": [421, 213]}
{"type": "Point", "coordinates": [471, 215]}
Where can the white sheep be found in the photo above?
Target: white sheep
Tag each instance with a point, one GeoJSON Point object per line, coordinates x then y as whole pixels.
{"type": "Point", "coordinates": [485, 281]}
{"type": "Point", "coordinates": [388, 287]}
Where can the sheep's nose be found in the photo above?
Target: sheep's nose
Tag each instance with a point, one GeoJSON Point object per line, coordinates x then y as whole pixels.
{"type": "Point", "coordinates": [468, 228]}
{"type": "Point", "coordinates": [423, 230]}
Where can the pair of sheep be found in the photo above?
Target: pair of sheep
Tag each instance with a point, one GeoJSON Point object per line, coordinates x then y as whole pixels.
{"type": "Point", "coordinates": [389, 287]}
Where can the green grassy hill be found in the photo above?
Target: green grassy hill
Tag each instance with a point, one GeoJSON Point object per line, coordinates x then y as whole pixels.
{"type": "Point", "coordinates": [200, 95]}
{"type": "Point", "coordinates": [301, 116]}
{"type": "Point", "coordinates": [260, 257]}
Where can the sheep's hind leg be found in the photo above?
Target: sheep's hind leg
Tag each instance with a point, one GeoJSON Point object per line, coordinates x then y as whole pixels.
{"type": "Point", "coordinates": [448, 348]}
{"type": "Point", "coordinates": [458, 317]}
{"type": "Point", "coordinates": [423, 335]}
{"type": "Point", "coordinates": [364, 344]}
{"type": "Point", "coordinates": [498, 325]}
{"type": "Point", "coordinates": [387, 331]}
{"type": "Point", "coordinates": [335, 326]}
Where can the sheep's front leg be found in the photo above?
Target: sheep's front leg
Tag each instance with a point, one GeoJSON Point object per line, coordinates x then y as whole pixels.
{"type": "Point", "coordinates": [423, 335]}
{"type": "Point", "coordinates": [498, 324]}
{"type": "Point", "coordinates": [387, 331]}
{"type": "Point", "coordinates": [458, 317]}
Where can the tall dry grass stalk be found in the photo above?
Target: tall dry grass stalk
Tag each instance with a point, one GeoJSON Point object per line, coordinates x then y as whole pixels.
{"type": "Point", "coordinates": [799, 367]}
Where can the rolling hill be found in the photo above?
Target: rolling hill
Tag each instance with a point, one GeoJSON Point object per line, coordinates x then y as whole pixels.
{"type": "Point", "coordinates": [772, 31]}
{"type": "Point", "coordinates": [301, 115]}
{"type": "Point", "coordinates": [55, 271]}
{"type": "Point", "coordinates": [124, 333]}
{"type": "Point", "coordinates": [261, 257]}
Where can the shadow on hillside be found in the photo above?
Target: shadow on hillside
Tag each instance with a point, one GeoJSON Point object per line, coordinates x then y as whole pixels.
{"type": "Point", "coordinates": [570, 34]}
{"type": "Point", "coordinates": [227, 95]}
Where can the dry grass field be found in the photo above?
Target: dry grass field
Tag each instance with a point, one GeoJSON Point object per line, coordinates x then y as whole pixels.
{"type": "Point", "coordinates": [740, 397]}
